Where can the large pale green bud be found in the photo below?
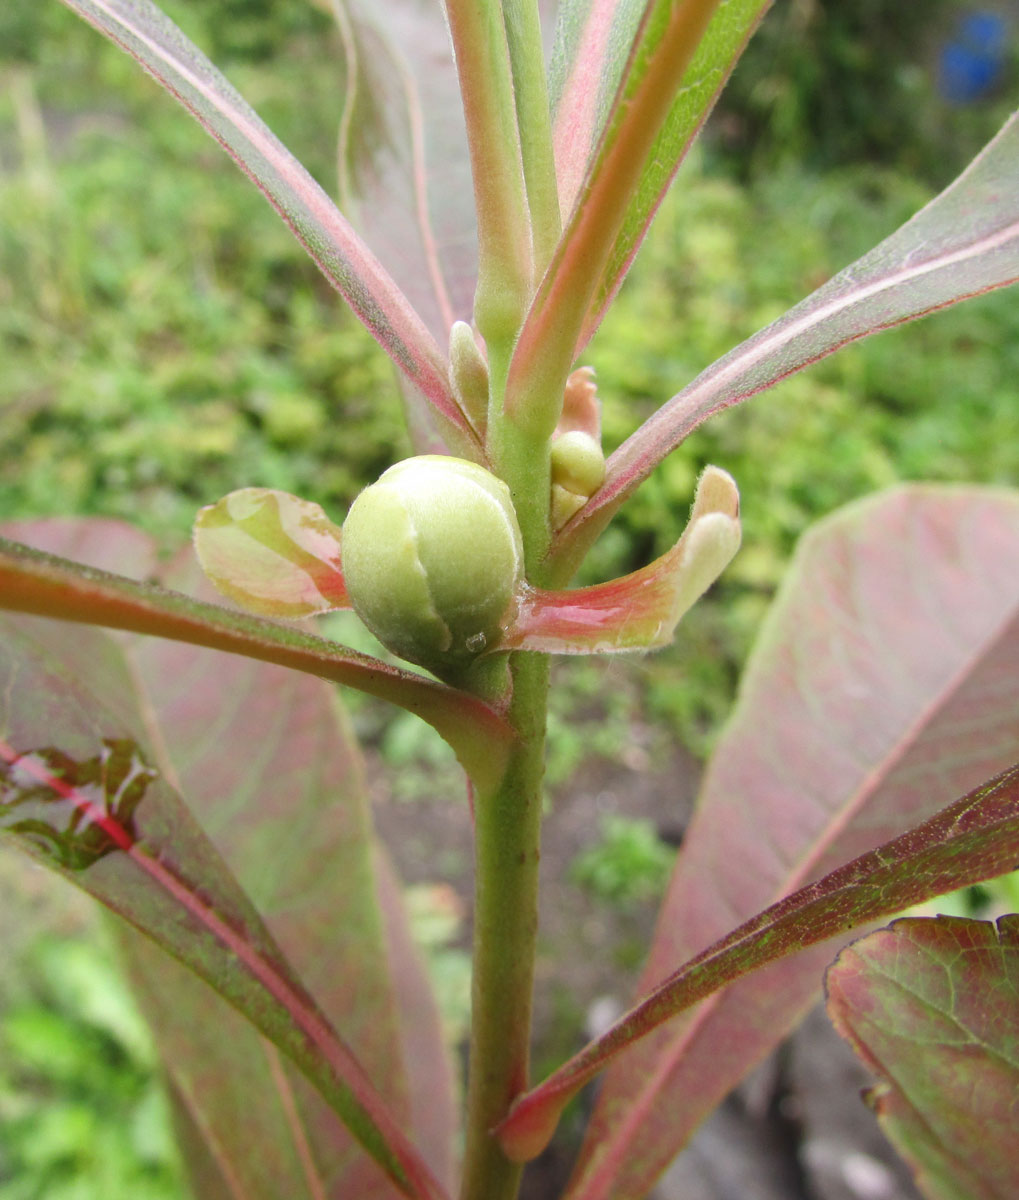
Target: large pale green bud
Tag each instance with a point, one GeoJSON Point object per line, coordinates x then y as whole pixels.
{"type": "Point", "coordinates": [432, 559]}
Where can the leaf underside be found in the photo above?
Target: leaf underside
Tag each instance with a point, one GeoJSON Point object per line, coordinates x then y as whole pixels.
{"type": "Point", "coordinates": [963, 243]}
{"type": "Point", "coordinates": [932, 1008]}
{"type": "Point", "coordinates": [972, 840]}
{"type": "Point", "coordinates": [99, 735]}
{"type": "Point", "coordinates": [881, 688]}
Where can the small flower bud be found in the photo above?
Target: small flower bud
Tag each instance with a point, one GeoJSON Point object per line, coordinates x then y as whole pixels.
{"type": "Point", "coordinates": [432, 559]}
{"type": "Point", "coordinates": [578, 464]}
{"type": "Point", "coordinates": [468, 374]}
{"type": "Point", "coordinates": [564, 505]}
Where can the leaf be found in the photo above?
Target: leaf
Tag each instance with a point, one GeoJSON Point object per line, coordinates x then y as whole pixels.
{"type": "Point", "coordinates": [431, 1087]}
{"type": "Point", "coordinates": [404, 169]}
{"type": "Point", "coordinates": [881, 688]}
{"type": "Point", "coordinates": [604, 55]}
{"type": "Point", "coordinates": [485, 69]}
{"type": "Point", "coordinates": [932, 1008]}
{"type": "Point", "coordinates": [45, 585]}
{"type": "Point", "coordinates": [271, 553]}
{"type": "Point", "coordinates": [141, 29]}
{"type": "Point", "coordinates": [974, 839]}
{"type": "Point", "coordinates": [642, 609]}
{"type": "Point", "coordinates": [678, 55]}
{"type": "Point", "coordinates": [291, 821]}
{"type": "Point", "coordinates": [79, 790]}
{"type": "Point", "coordinates": [963, 243]}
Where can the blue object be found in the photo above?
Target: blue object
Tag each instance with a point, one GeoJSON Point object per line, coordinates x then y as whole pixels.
{"type": "Point", "coordinates": [970, 65]}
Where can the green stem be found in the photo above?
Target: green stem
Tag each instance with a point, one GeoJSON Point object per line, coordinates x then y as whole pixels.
{"type": "Point", "coordinates": [507, 839]}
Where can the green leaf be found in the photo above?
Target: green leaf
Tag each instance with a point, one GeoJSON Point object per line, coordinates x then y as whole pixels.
{"type": "Point", "coordinates": [639, 611]}
{"type": "Point", "coordinates": [932, 1008]}
{"type": "Point", "coordinates": [605, 54]}
{"type": "Point", "coordinates": [272, 553]}
{"type": "Point", "coordinates": [676, 63]}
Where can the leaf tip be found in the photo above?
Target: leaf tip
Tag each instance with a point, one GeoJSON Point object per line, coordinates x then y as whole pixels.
{"type": "Point", "coordinates": [528, 1128]}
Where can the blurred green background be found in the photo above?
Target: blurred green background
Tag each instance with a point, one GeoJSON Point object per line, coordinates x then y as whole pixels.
{"type": "Point", "coordinates": [164, 340]}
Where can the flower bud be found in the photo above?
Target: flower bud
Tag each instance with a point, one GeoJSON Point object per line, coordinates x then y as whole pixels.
{"type": "Point", "coordinates": [468, 374]}
{"type": "Point", "coordinates": [432, 559]}
{"type": "Point", "coordinates": [578, 464]}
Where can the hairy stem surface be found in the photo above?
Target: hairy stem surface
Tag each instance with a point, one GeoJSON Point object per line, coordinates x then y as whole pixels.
{"type": "Point", "coordinates": [507, 837]}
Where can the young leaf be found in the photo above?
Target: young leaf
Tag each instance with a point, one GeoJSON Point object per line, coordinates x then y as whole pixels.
{"type": "Point", "coordinates": [404, 170]}
{"type": "Point", "coordinates": [965, 242]}
{"type": "Point", "coordinates": [641, 610]}
{"type": "Point", "coordinates": [148, 35]}
{"type": "Point", "coordinates": [79, 790]}
{"type": "Point", "coordinates": [974, 839]}
{"type": "Point", "coordinates": [932, 1008]}
{"type": "Point", "coordinates": [882, 686]}
{"type": "Point", "coordinates": [600, 71]}
{"type": "Point", "coordinates": [505, 263]}
{"type": "Point", "coordinates": [272, 553]}
{"type": "Point", "coordinates": [678, 60]}
{"type": "Point", "coordinates": [48, 586]}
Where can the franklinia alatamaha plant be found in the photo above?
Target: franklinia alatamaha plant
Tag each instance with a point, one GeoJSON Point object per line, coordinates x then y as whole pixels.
{"type": "Point", "coordinates": [210, 800]}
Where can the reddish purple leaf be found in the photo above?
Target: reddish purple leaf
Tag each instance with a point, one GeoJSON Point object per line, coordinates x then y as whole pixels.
{"type": "Point", "coordinates": [932, 1007]}
{"type": "Point", "coordinates": [291, 822]}
{"type": "Point", "coordinates": [965, 242]}
{"type": "Point", "coordinates": [80, 790]}
{"type": "Point", "coordinates": [272, 553]}
{"type": "Point", "coordinates": [404, 170]}
{"type": "Point", "coordinates": [641, 610]}
{"type": "Point", "coordinates": [45, 585]}
{"type": "Point", "coordinates": [972, 840]}
{"type": "Point", "coordinates": [883, 686]}
{"type": "Point", "coordinates": [148, 35]}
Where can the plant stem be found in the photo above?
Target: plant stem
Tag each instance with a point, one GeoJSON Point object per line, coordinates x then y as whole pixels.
{"type": "Point", "coordinates": [507, 836]}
